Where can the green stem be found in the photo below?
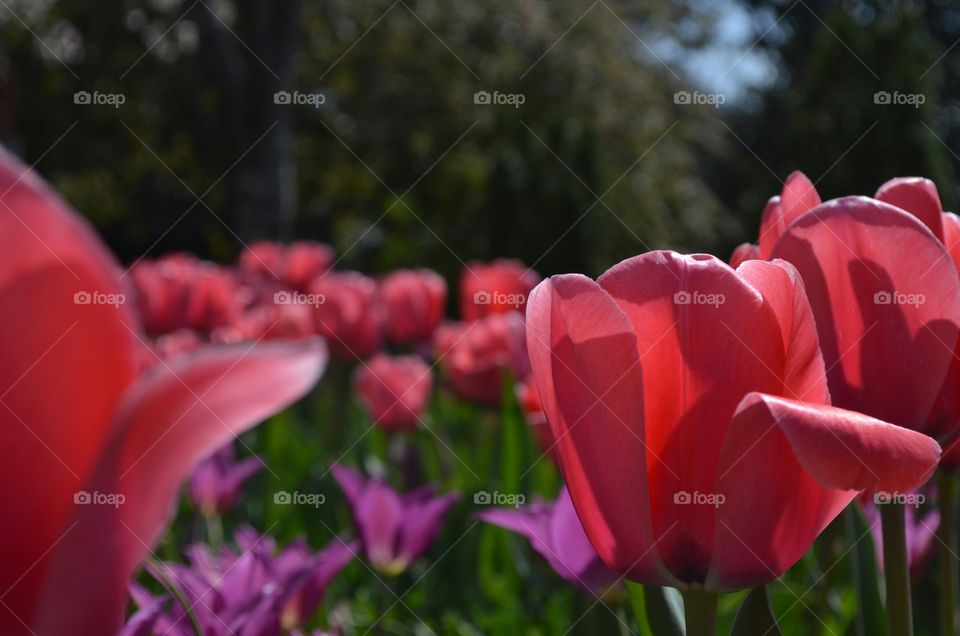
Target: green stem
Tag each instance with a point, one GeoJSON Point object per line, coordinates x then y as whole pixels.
{"type": "Point", "coordinates": [947, 533]}
{"type": "Point", "coordinates": [700, 612]}
{"type": "Point", "coordinates": [896, 569]}
{"type": "Point", "coordinates": [214, 529]}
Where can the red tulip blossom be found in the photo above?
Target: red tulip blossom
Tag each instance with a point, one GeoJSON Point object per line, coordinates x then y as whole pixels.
{"type": "Point", "coordinates": [293, 266]}
{"type": "Point", "coordinates": [180, 291]}
{"type": "Point", "coordinates": [94, 449]}
{"type": "Point", "coordinates": [693, 423]}
{"type": "Point", "coordinates": [394, 390]}
{"type": "Point", "coordinates": [413, 303]}
{"type": "Point", "coordinates": [886, 299]}
{"type": "Point", "coordinates": [474, 356]}
{"type": "Point", "coordinates": [500, 286]}
{"type": "Point", "coordinates": [346, 313]}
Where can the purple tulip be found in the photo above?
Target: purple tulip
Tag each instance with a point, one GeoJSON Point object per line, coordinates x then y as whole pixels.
{"type": "Point", "coordinates": [395, 529]}
{"type": "Point", "coordinates": [252, 591]}
{"type": "Point", "coordinates": [555, 531]}
{"type": "Point", "coordinates": [216, 482]}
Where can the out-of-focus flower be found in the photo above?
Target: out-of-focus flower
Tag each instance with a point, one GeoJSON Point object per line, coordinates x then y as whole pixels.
{"type": "Point", "coordinates": [529, 398]}
{"type": "Point", "coordinates": [500, 286]}
{"type": "Point", "coordinates": [170, 345]}
{"type": "Point", "coordinates": [254, 590]}
{"type": "Point", "coordinates": [475, 355]}
{"type": "Point", "coordinates": [215, 484]}
{"type": "Point", "coordinates": [94, 449]}
{"type": "Point", "coordinates": [921, 529]}
{"type": "Point", "coordinates": [269, 321]}
{"type": "Point", "coordinates": [347, 313]}
{"type": "Point", "coordinates": [395, 529]}
{"type": "Point", "coordinates": [394, 390]}
{"type": "Point", "coordinates": [704, 388]}
{"type": "Point", "coordinates": [179, 291]}
{"type": "Point", "coordinates": [555, 531]}
{"type": "Point", "coordinates": [413, 304]}
{"type": "Point", "coordinates": [293, 265]}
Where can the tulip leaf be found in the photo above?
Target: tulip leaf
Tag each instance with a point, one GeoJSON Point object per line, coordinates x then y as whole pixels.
{"type": "Point", "coordinates": [870, 619]}
{"type": "Point", "coordinates": [658, 610]}
{"type": "Point", "coordinates": [755, 615]}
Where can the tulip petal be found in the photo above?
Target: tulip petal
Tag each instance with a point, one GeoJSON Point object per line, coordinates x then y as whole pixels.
{"type": "Point", "coordinates": [787, 468]}
{"type": "Point", "coordinates": [169, 420]}
{"type": "Point", "coordinates": [804, 377]}
{"type": "Point", "coordinates": [66, 362]}
{"type": "Point", "coordinates": [697, 322]}
{"type": "Point", "coordinates": [951, 236]}
{"type": "Point", "coordinates": [916, 195]}
{"type": "Point", "coordinates": [419, 530]}
{"type": "Point", "coordinates": [797, 197]}
{"type": "Point", "coordinates": [744, 252]}
{"type": "Point", "coordinates": [583, 351]}
{"type": "Point", "coordinates": [886, 300]}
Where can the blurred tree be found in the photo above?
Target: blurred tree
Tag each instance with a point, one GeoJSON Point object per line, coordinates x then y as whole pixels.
{"type": "Point", "coordinates": [387, 155]}
{"type": "Point", "coordinates": [832, 110]}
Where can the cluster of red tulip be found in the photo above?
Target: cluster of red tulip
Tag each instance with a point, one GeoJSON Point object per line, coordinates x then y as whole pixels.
{"type": "Point", "coordinates": [709, 419]}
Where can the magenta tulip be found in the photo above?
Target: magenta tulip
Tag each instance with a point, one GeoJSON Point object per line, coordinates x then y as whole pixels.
{"type": "Point", "coordinates": [215, 484]}
{"type": "Point", "coordinates": [555, 531]}
{"type": "Point", "coordinates": [395, 529]}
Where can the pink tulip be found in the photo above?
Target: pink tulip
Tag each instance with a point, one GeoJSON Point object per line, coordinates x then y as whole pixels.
{"type": "Point", "coordinates": [293, 266]}
{"type": "Point", "coordinates": [474, 356]}
{"type": "Point", "coordinates": [179, 291]}
{"type": "Point", "coordinates": [394, 390]}
{"type": "Point", "coordinates": [500, 286]}
{"type": "Point", "coordinates": [413, 302]}
{"type": "Point", "coordinates": [93, 449]}
{"type": "Point", "coordinates": [694, 429]}
{"type": "Point", "coordinates": [347, 313]}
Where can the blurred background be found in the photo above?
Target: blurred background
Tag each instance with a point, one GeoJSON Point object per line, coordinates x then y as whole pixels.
{"type": "Point", "coordinates": [416, 133]}
{"type": "Point", "coordinates": [612, 127]}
